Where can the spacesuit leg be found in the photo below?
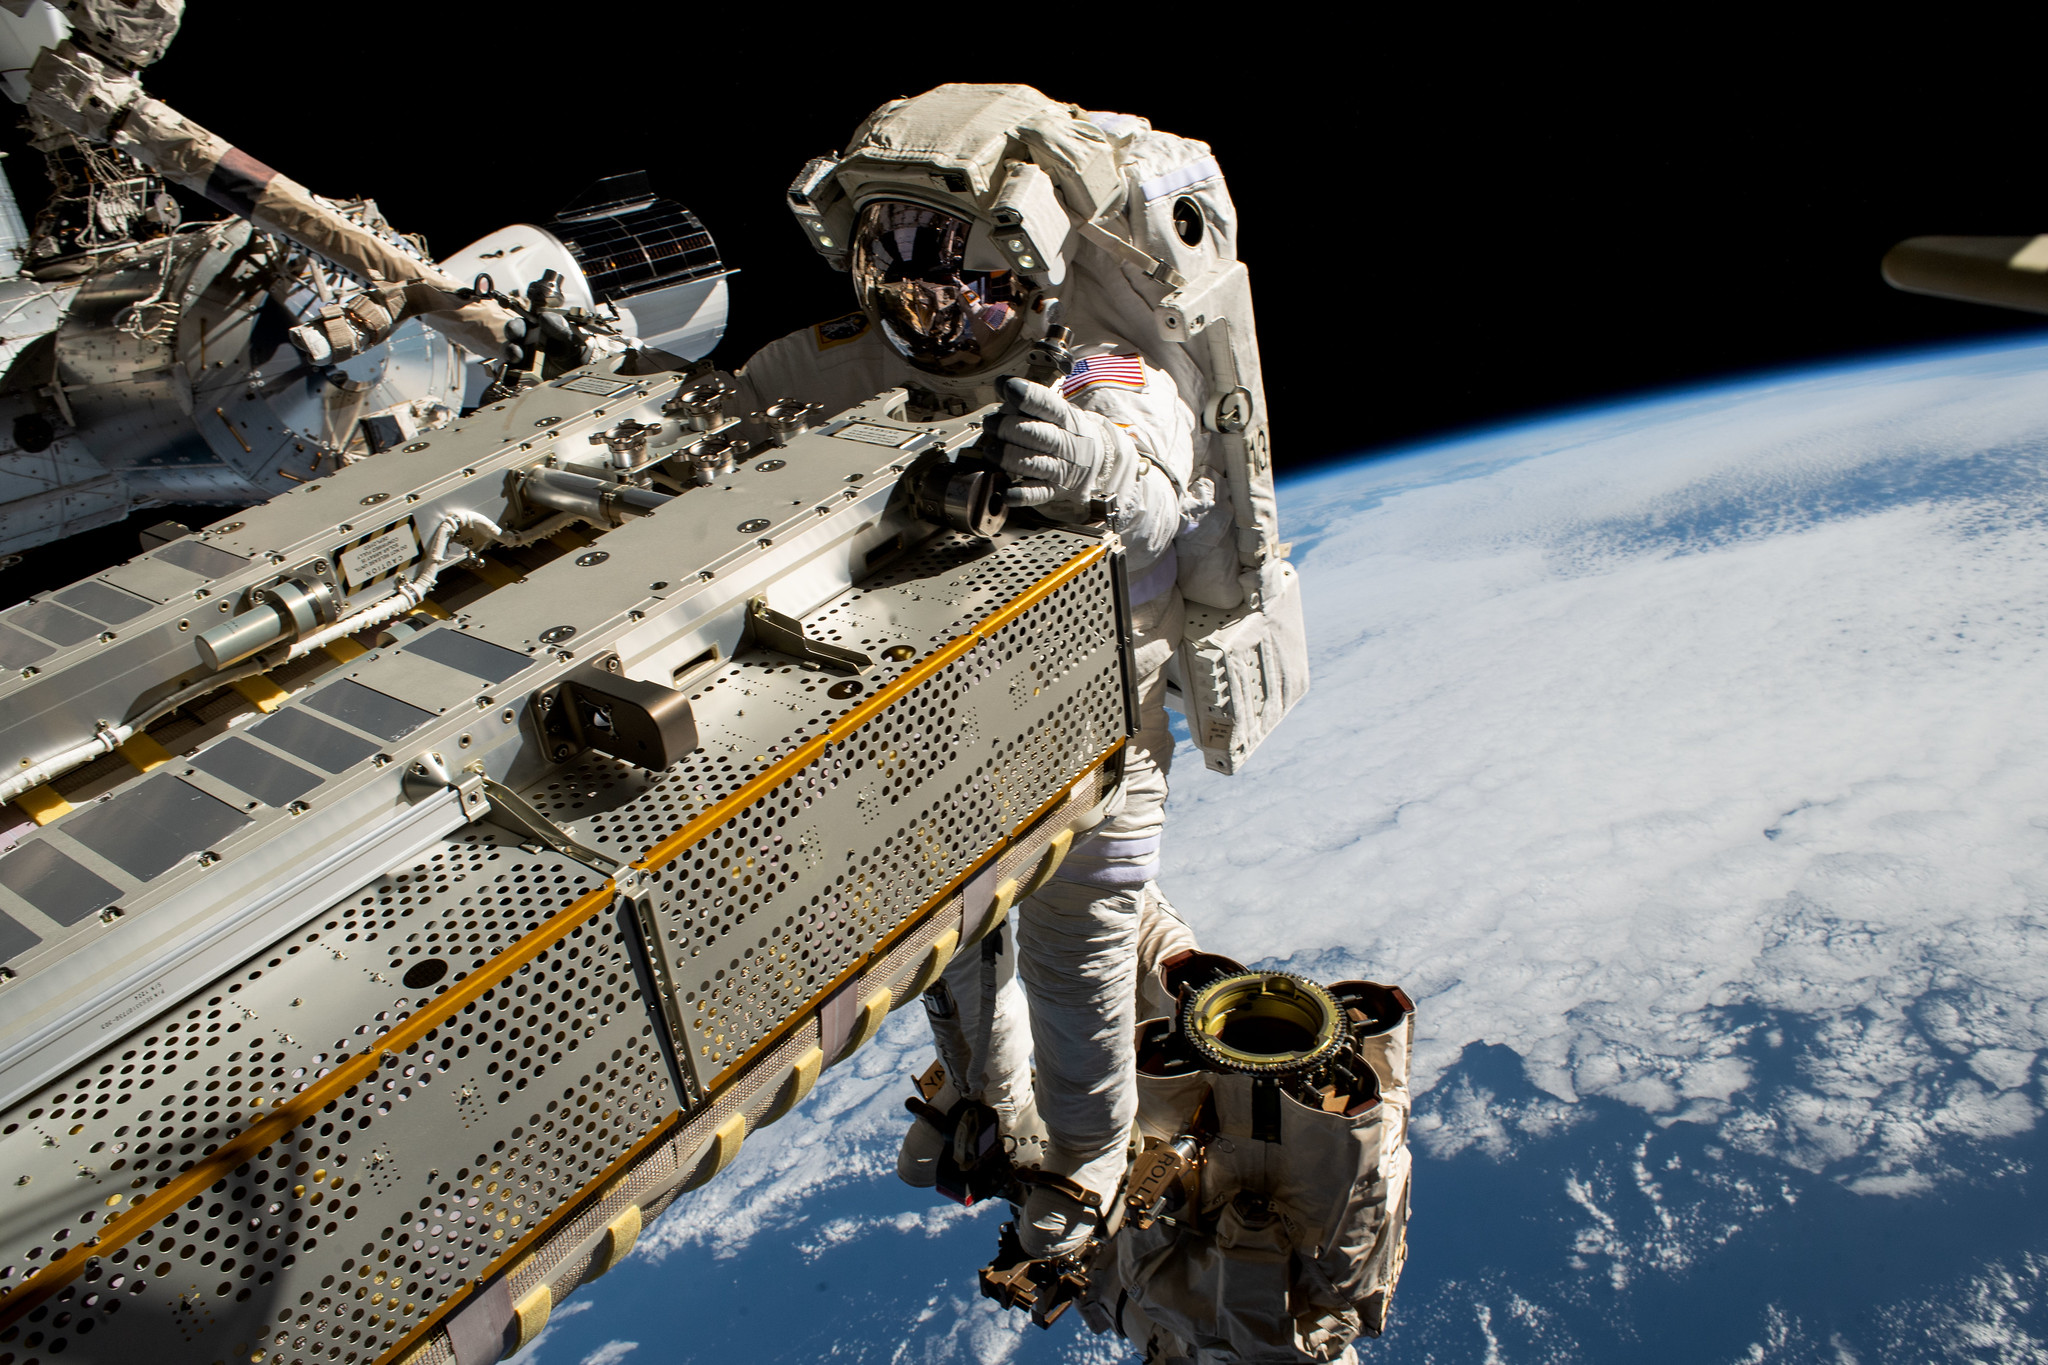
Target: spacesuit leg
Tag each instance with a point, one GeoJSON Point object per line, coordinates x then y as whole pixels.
{"type": "Point", "coordinates": [979, 1025]}
{"type": "Point", "coordinates": [986, 1044]}
{"type": "Point", "coordinates": [1078, 947]}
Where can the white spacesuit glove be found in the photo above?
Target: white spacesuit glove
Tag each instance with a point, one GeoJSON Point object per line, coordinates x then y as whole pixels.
{"type": "Point", "coordinates": [1058, 452]}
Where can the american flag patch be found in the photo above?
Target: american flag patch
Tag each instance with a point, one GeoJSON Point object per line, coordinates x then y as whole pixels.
{"type": "Point", "coordinates": [1118, 371]}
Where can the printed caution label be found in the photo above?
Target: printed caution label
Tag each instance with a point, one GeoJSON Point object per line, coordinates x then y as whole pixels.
{"type": "Point", "coordinates": [379, 556]}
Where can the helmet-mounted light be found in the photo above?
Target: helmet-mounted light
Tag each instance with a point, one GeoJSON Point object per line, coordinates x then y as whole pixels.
{"type": "Point", "coordinates": [822, 209]}
{"type": "Point", "coordinates": [1030, 227]}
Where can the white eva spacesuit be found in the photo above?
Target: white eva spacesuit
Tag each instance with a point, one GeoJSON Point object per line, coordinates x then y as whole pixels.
{"type": "Point", "coordinates": [973, 219]}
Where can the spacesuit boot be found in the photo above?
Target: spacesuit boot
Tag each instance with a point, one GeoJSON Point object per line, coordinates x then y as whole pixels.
{"type": "Point", "coordinates": [917, 1160]}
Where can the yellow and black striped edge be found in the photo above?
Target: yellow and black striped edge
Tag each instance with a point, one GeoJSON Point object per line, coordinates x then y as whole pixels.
{"type": "Point", "coordinates": [124, 1226]}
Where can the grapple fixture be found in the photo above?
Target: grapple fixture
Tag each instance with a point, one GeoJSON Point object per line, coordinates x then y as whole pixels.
{"type": "Point", "coordinates": [1264, 1024]}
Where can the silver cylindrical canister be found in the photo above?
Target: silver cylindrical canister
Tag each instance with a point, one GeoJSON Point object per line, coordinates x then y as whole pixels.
{"type": "Point", "coordinates": [284, 610]}
{"type": "Point", "coordinates": [306, 606]}
{"type": "Point", "coordinates": [580, 495]}
{"type": "Point", "coordinates": [235, 639]}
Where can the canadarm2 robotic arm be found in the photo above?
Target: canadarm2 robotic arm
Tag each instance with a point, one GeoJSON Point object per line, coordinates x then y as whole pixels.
{"type": "Point", "coordinates": [86, 83]}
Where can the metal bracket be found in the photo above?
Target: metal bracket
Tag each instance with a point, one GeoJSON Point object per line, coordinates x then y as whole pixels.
{"type": "Point", "coordinates": [785, 635]}
{"type": "Point", "coordinates": [429, 774]}
{"type": "Point", "coordinates": [642, 933]}
{"type": "Point", "coordinates": [1127, 635]}
{"type": "Point", "coordinates": [598, 707]}
{"type": "Point", "coordinates": [510, 810]}
{"type": "Point", "coordinates": [485, 799]}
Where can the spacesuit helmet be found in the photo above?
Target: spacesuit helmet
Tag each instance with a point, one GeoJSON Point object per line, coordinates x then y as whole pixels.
{"type": "Point", "coordinates": [909, 268]}
{"type": "Point", "coordinates": [954, 212]}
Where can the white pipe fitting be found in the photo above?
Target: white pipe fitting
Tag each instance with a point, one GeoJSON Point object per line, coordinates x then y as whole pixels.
{"type": "Point", "coordinates": [409, 595]}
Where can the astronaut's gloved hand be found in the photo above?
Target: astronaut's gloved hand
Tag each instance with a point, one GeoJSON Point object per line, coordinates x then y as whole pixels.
{"type": "Point", "coordinates": [1056, 451]}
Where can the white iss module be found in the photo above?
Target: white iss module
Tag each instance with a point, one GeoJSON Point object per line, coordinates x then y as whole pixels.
{"type": "Point", "coordinates": [147, 359]}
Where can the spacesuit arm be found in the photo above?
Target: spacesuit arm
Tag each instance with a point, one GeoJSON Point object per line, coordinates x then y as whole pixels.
{"type": "Point", "coordinates": [1148, 515]}
{"type": "Point", "coordinates": [1160, 428]}
{"type": "Point", "coordinates": [1076, 453]}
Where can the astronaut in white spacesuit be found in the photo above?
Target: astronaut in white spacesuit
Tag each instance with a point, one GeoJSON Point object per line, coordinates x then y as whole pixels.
{"type": "Point", "coordinates": [1115, 436]}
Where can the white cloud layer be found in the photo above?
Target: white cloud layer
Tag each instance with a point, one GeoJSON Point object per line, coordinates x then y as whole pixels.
{"type": "Point", "coordinates": [1696, 752]}
{"type": "Point", "coordinates": [1731, 702]}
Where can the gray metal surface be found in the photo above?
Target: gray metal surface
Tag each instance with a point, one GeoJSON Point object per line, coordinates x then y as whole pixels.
{"type": "Point", "coordinates": [149, 828]}
{"type": "Point", "coordinates": [261, 774]}
{"type": "Point", "coordinates": [671, 586]}
{"type": "Point", "coordinates": [302, 735]}
{"type": "Point", "coordinates": [279, 947]}
{"type": "Point", "coordinates": [791, 890]}
{"type": "Point", "coordinates": [500, 1096]}
{"type": "Point", "coordinates": [552, 1065]}
{"type": "Point", "coordinates": [55, 884]}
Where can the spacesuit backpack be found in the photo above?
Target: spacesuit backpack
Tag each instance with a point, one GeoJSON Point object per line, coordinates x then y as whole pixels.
{"type": "Point", "coordinates": [1167, 274]}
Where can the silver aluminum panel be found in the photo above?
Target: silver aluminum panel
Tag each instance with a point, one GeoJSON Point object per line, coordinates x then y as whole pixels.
{"type": "Point", "coordinates": [467, 654]}
{"type": "Point", "coordinates": [56, 885]}
{"type": "Point", "coordinates": [407, 1185]}
{"type": "Point", "coordinates": [497, 1086]}
{"type": "Point", "coordinates": [61, 626]}
{"type": "Point", "coordinates": [196, 556]}
{"type": "Point", "coordinates": [777, 901]}
{"type": "Point", "coordinates": [368, 709]}
{"type": "Point", "coordinates": [159, 580]}
{"type": "Point", "coordinates": [85, 974]}
{"type": "Point", "coordinates": [304, 736]}
{"type": "Point", "coordinates": [15, 937]}
{"type": "Point", "coordinates": [415, 680]}
{"type": "Point", "coordinates": [106, 604]}
{"type": "Point", "coordinates": [19, 651]}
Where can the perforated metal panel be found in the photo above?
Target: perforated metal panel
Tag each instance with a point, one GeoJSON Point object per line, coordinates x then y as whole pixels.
{"type": "Point", "coordinates": [343, 1232]}
{"type": "Point", "coordinates": [433, 1094]}
{"type": "Point", "coordinates": [775, 903]}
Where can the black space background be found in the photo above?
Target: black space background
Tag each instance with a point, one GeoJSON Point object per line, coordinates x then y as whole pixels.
{"type": "Point", "coordinates": [1440, 236]}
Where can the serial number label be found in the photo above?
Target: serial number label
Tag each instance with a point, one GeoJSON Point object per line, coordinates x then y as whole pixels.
{"type": "Point", "coordinates": [142, 999]}
{"type": "Point", "coordinates": [875, 434]}
{"type": "Point", "coordinates": [379, 555]}
{"type": "Point", "coordinates": [597, 384]}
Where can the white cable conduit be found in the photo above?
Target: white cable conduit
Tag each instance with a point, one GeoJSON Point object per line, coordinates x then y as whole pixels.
{"type": "Point", "coordinates": [408, 595]}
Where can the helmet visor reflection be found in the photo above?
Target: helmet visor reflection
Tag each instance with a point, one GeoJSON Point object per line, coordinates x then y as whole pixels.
{"type": "Point", "coordinates": [908, 264]}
